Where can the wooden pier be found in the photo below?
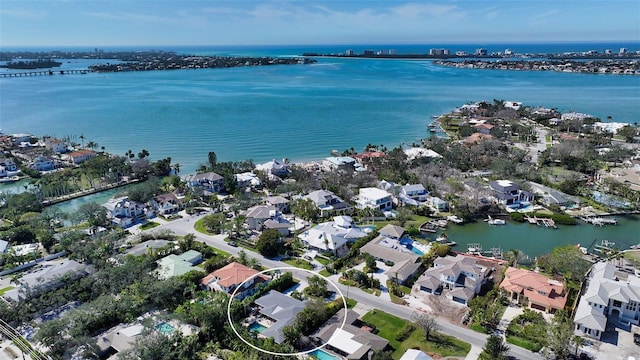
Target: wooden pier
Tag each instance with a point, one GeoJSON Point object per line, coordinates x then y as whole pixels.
{"type": "Point", "coordinates": [598, 221]}
{"type": "Point", "coordinates": [546, 222]}
{"type": "Point", "coordinates": [44, 73]}
{"type": "Point", "coordinates": [59, 199]}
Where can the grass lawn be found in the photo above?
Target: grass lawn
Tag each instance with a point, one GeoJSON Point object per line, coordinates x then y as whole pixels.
{"type": "Point", "coordinates": [547, 138]}
{"type": "Point", "coordinates": [324, 272]}
{"type": "Point", "coordinates": [200, 228]}
{"type": "Point", "coordinates": [149, 225]}
{"type": "Point", "coordinates": [5, 289]}
{"type": "Point", "coordinates": [299, 263]}
{"type": "Point", "coordinates": [390, 326]}
{"type": "Point", "coordinates": [351, 303]}
{"type": "Point", "coordinates": [633, 255]}
{"type": "Point", "coordinates": [323, 261]}
{"type": "Point", "coordinates": [477, 327]}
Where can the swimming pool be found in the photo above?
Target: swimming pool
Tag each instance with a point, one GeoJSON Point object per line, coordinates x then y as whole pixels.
{"type": "Point", "coordinates": [257, 327]}
{"type": "Point", "coordinates": [165, 328]}
{"type": "Point", "coordinates": [416, 251]}
{"type": "Point", "coordinates": [323, 355]}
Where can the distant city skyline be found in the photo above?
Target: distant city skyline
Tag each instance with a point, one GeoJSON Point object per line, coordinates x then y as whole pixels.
{"type": "Point", "coordinates": [299, 22]}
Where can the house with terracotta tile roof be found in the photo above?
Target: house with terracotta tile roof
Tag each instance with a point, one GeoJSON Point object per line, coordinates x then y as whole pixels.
{"type": "Point", "coordinates": [80, 156]}
{"type": "Point", "coordinates": [228, 278]}
{"type": "Point", "coordinates": [484, 128]}
{"type": "Point", "coordinates": [476, 138]}
{"type": "Point", "coordinates": [534, 290]}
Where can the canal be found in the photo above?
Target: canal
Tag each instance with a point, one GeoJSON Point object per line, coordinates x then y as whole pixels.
{"type": "Point", "coordinates": [537, 240]}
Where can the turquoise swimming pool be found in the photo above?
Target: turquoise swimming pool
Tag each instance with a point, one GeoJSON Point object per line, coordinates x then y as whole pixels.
{"type": "Point", "coordinates": [257, 327]}
{"type": "Point", "coordinates": [323, 355]}
{"type": "Point", "coordinates": [165, 328]}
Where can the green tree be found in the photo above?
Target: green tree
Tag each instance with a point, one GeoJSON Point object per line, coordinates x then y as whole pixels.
{"type": "Point", "coordinates": [213, 160]}
{"type": "Point", "coordinates": [494, 349]}
{"type": "Point", "coordinates": [269, 244]}
{"type": "Point", "coordinates": [317, 287]}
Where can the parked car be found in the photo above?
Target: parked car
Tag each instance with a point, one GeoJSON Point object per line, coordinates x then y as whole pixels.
{"type": "Point", "coordinates": [232, 243]}
{"type": "Point", "coordinates": [636, 339]}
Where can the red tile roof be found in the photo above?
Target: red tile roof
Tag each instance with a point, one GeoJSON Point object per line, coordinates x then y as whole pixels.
{"type": "Point", "coordinates": [530, 284]}
{"type": "Point", "coordinates": [232, 274]}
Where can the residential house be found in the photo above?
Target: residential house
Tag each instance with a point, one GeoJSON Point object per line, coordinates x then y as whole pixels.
{"type": "Point", "coordinates": [510, 194]}
{"type": "Point", "coordinates": [280, 203]}
{"type": "Point", "coordinates": [124, 212]}
{"type": "Point", "coordinates": [413, 194]}
{"type": "Point", "coordinates": [176, 265]}
{"type": "Point", "coordinates": [280, 310]}
{"type": "Point", "coordinates": [345, 163]}
{"type": "Point", "coordinates": [608, 294]}
{"type": "Point", "coordinates": [476, 138]}
{"type": "Point", "coordinates": [210, 182]}
{"type": "Point", "coordinates": [328, 203]}
{"type": "Point", "coordinates": [366, 158]}
{"type": "Point", "coordinates": [275, 168]}
{"type": "Point", "coordinates": [8, 167]}
{"type": "Point", "coordinates": [413, 354]}
{"type": "Point", "coordinates": [332, 236]}
{"type": "Point", "coordinates": [416, 152]}
{"type": "Point", "coordinates": [374, 198]}
{"type": "Point", "coordinates": [46, 276]}
{"type": "Point", "coordinates": [405, 262]}
{"type": "Point", "coordinates": [534, 290]}
{"type": "Point", "coordinates": [484, 128]}
{"type": "Point", "coordinates": [57, 146]}
{"type": "Point", "coordinates": [247, 180]}
{"type": "Point", "coordinates": [229, 277]}
{"type": "Point", "coordinates": [262, 217]}
{"type": "Point", "coordinates": [42, 163]}
{"type": "Point", "coordinates": [118, 339]}
{"type": "Point", "coordinates": [393, 231]}
{"type": "Point", "coordinates": [20, 138]}
{"type": "Point", "coordinates": [462, 275]}
{"type": "Point", "coordinates": [437, 203]}
{"type": "Point", "coordinates": [353, 341]}
{"type": "Point", "coordinates": [79, 156]}
{"type": "Point", "coordinates": [551, 196]}
{"type": "Point", "coordinates": [167, 203]}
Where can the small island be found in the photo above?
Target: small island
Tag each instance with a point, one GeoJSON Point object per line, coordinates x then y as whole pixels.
{"type": "Point", "coordinates": [31, 64]}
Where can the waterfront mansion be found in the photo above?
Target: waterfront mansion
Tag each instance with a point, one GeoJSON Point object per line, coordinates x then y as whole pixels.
{"type": "Point", "coordinates": [609, 294]}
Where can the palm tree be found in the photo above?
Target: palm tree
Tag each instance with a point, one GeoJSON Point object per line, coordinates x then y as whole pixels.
{"type": "Point", "coordinates": [514, 256]}
{"type": "Point", "coordinates": [176, 168]}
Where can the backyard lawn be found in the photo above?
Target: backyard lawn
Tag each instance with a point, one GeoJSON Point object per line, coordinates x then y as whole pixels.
{"type": "Point", "coordinates": [389, 327]}
{"type": "Point", "coordinates": [149, 225]}
{"type": "Point", "coordinates": [299, 263]}
{"type": "Point", "coordinates": [5, 289]}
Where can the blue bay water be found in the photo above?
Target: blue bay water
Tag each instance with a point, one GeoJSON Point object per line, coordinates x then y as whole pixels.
{"type": "Point", "coordinates": [300, 112]}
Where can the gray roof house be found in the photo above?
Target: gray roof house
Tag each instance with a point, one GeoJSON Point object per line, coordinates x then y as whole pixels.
{"type": "Point", "coordinates": [45, 277]}
{"type": "Point", "coordinates": [328, 203]}
{"type": "Point", "coordinates": [405, 262]}
{"type": "Point", "coordinates": [462, 275]}
{"type": "Point", "coordinates": [392, 231]}
{"type": "Point", "coordinates": [351, 342]}
{"type": "Point", "coordinates": [280, 203]}
{"type": "Point", "coordinates": [608, 294]}
{"type": "Point", "coordinates": [281, 309]}
{"type": "Point", "coordinates": [415, 192]}
{"type": "Point", "coordinates": [210, 182]}
{"type": "Point", "coordinates": [509, 193]}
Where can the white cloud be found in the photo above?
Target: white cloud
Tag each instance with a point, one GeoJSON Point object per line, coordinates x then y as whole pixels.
{"type": "Point", "coordinates": [543, 18]}
{"type": "Point", "coordinates": [22, 14]}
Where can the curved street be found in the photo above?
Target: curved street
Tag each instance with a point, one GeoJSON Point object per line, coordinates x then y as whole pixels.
{"type": "Point", "coordinates": [477, 340]}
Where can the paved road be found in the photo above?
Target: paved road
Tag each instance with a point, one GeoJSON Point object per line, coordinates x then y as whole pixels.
{"type": "Point", "coordinates": [185, 226]}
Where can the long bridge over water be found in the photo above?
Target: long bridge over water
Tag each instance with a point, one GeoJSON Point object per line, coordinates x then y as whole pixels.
{"type": "Point", "coordinates": [44, 73]}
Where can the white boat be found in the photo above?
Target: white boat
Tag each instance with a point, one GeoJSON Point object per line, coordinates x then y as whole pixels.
{"type": "Point", "coordinates": [492, 221]}
{"type": "Point", "coordinates": [455, 219]}
{"type": "Point", "coordinates": [9, 179]}
{"type": "Point", "coordinates": [474, 249]}
{"type": "Point", "coordinates": [444, 240]}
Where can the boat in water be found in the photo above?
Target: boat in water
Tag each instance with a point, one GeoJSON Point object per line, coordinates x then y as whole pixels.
{"type": "Point", "coordinates": [444, 240]}
{"type": "Point", "coordinates": [9, 179]}
{"type": "Point", "coordinates": [455, 219]}
{"type": "Point", "coordinates": [492, 221]}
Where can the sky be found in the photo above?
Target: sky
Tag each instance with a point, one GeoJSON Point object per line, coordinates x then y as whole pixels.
{"type": "Point", "coordinates": [305, 22]}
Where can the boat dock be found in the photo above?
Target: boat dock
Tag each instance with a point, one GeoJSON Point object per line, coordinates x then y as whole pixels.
{"type": "Point", "coordinates": [604, 247]}
{"type": "Point", "coordinates": [476, 249]}
{"type": "Point", "coordinates": [597, 220]}
{"type": "Point", "coordinates": [432, 226]}
{"type": "Point", "coordinates": [546, 222]}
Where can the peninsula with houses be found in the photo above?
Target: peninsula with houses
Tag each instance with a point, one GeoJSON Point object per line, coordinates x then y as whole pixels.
{"type": "Point", "coordinates": [154, 267]}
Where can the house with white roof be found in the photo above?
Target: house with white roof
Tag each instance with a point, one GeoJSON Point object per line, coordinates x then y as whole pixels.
{"type": "Point", "coordinates": [413, 354]}
{"type": "Point", "coordinates": [333, 163]}
{"type": "Point", "coordinates": [247, 179]}
{"type": "Point", "coordinates": [329, 203]}
{"type": "Point", "coordinates": [275, 167]}
{"type": "Point", "coordinates": [462, 275]}
{"type": "Point", "coordinates": [509, 193]}
{"type": "Point", "coordinates": [46, 276]}
{"type": "Point", "coordinates": [608, 294]}
{"type": "Point", "coordinates": [416, 152]}
{"type": "Point", "coordinates": [42, 163]}
{"type": "Point", "coordinates": [415, 192]}
{"type": "Point", "coordinates": [56, 145]}
{"type": "Point", "coordinates": [332, 236]}
{"type": "Point", "coordinates": [374, 198]}
{"type": "Point", "coordinates": [124, 212]}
